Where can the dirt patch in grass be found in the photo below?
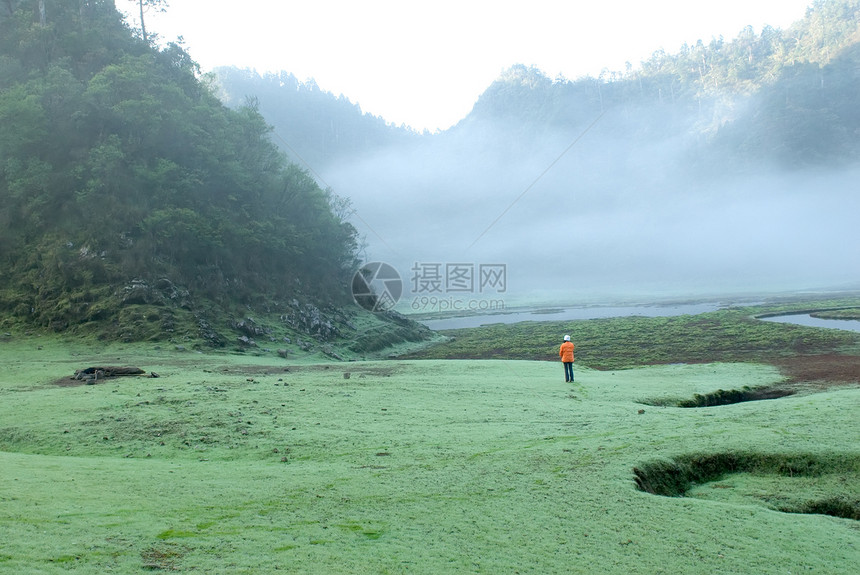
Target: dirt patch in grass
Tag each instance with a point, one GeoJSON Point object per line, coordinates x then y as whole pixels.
{"type": "Point", "coordinates": [826, 371]}
{"type": "Point", "coordinates": [803, 374]}
{"type": "Point", "coordinates": [353, 368]}
{"type": "Point", "coordinates": [341, 369]}
{"type": "Point", "coordinates": [161, 559]}
{"type": "Point", "coordinates": [74, 382]}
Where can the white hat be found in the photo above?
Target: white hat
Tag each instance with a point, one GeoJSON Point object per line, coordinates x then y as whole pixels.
{"type": "Point", "coordinates": [567, 338]}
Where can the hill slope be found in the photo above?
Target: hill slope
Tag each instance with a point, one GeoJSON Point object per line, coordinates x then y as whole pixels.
{"type": "Point", "coordinates": [135, 204]}
{"type": "Point", "coordinates": [312, 126]}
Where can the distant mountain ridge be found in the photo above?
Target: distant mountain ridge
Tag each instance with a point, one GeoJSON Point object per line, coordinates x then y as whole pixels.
{"type": "Point", "coordinates": [715, 168]}
{"type": "Point", "coordinates": [772, 97]}
{"type": "Point", "coordinates": [314, 127]}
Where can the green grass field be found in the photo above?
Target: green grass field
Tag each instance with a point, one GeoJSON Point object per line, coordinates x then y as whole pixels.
{"type": "Point", "coordinates": [229, 463]}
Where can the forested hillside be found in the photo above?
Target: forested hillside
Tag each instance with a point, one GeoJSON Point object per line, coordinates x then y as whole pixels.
{"type": "Point", "coordinates": [786, 97]}
{"type": "Point", "coordinates": [326, 128]}
{"type": "Point", "coordinates": [125, 184]}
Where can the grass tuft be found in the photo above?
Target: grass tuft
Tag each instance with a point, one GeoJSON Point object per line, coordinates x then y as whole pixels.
{"type": "Point", "coordinates": [161, 559]}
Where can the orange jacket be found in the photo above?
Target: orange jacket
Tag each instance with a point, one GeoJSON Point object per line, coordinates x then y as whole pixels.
{"type": "Point", "coordinates": [566, 352]}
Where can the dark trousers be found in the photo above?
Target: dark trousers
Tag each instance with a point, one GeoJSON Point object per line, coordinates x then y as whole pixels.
{"type": "Point", "coordinates": [568, 371]}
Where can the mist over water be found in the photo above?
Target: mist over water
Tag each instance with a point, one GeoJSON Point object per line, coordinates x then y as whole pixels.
{"type": "Point", "coordinates": [616, 216]}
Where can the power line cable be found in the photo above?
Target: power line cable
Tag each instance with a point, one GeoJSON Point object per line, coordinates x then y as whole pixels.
{"type": "Point", "coordinates": [536, 180]}
{"type": "Point", "coordinates": [321, 180]}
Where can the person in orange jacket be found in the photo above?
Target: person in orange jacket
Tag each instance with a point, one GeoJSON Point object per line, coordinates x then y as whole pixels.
{"type": "Point", "coordinates": [566, 354]}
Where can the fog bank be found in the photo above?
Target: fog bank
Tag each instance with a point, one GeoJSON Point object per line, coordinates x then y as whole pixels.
{"type": "Point", "coordinates": [615, 216]}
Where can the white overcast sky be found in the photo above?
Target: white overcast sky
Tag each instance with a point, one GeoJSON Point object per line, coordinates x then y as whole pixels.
{"type": "Point", "coordinates": [424, 63]}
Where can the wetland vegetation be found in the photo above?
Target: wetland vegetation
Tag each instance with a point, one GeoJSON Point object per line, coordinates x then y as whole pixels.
{"type": "Point", "coordinates": [245, 462]}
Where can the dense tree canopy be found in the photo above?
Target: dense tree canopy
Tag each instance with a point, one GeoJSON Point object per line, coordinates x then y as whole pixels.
{"type": "Point", "coordinates": [782, 97]}
{"type": "Point", "coordinates": [313, 126]}
{"type": "Point", "coordinates": [118, 163]}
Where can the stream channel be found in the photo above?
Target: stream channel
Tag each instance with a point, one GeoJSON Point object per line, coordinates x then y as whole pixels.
{"type": "Point", "coordinates": [809, 321]}
{"type": "Point", "coordinates": [569, 314]}
{"type": "Point", "coordinates": [597, 312]}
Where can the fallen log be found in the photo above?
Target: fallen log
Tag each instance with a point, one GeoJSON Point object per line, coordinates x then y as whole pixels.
{"type": "Point", "coordinates": [97, 373]}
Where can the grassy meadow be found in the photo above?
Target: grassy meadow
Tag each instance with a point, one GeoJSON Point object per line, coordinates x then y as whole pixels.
{"type": "Point", "coordinates": [233, 463]}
